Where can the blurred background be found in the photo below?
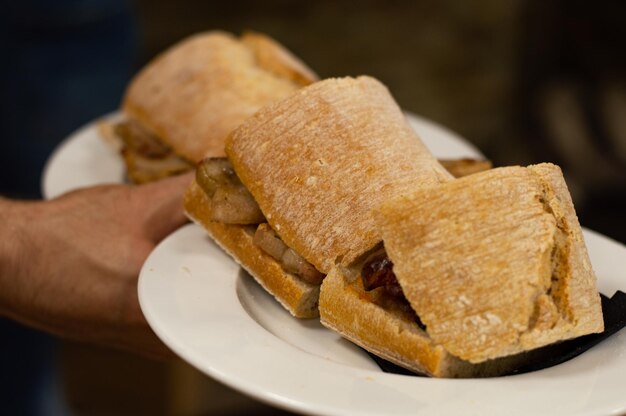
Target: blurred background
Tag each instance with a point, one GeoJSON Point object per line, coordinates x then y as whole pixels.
{"type": "Point", "coordinates": [525, 81]}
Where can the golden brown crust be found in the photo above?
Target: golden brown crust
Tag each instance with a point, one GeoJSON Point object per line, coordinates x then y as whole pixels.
{"type": "Point", "coordinates": [491, 263]}
{"type": "Point", "coordinates": [275, 58]}
{"type": "Point", "coordinates": [577, 297]}
{"type": "Point", "coordinates": [193, 94]}
{"type": "Point", "coordinates": [347, 311]}
{"type": "Point", "coordinates": [298, 297]}
{"type": "Point", "coordinates": [320, 160]}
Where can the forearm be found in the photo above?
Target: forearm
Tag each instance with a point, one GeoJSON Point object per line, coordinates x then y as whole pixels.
{"type": "Point", "coordinates": [41, 263]}
{"type": "Point", "coordinates": [69, 266]}
{"type": "Point", "coordinates": [51, 276]}
{"type": "Point", "coordinates": [14, 259]}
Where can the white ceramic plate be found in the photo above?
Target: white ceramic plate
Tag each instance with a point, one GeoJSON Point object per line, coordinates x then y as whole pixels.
{"type": "Point", "coordinates": [216, 317]}
{"type": "Point", "coordinates": [85, 159]}
{"type": "Point", "coordinates": [82, 159]}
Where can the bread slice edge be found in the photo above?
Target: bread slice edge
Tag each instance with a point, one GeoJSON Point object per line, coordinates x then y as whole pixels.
{"type": "Point", "coordinates": [295, 295]}
{"type": "Point", "coordinates": [345, 309]}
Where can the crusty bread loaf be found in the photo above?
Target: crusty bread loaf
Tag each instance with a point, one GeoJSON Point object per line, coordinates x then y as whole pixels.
{"type": "Point", "coordinates": [320, 160]}
{"type": "Point", "coordinates": [494, 263]}
{"type": "Point", "coordinates": [193, 94]}
{"type": "Point", "coordinates": [297, 296]}
{"type": "Point", "coordinates": [355, 130]}
{"type": "Point", "coordinates": [294, 294]}
{"type": "Point", "coordinates": [387, 332]}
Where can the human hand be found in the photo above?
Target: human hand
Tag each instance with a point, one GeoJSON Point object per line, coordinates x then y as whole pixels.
{"type": "Point", "coordinates": [69, 266]}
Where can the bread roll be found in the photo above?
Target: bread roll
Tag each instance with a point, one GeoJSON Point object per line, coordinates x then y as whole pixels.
{"type": "Point", "coordinates": [195, 93]}
{"type": "Point", "coordinates": [319, 161]}
{"type": "Point", "coordinates": [494, 263]}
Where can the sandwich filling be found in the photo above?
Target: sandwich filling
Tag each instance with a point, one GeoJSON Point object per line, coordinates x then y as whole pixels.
{"type": "Point", "coordinates": [147, 157]}
{"type": "Point", "coordinates": [382, 288]}
{"type": "Point", "coordinates": [232, 203]}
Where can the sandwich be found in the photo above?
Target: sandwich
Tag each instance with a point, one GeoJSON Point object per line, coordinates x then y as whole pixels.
{"type": "Point", "coordinates": [182, 105]}
{"type": "Point", "coordinates": [473, 276]}
{"type": "Point", "coordinates": [332, 203]}
{"type": "Point", "coordinates": [295, 195]}
{"type": "Point", "coordinates": [329, 153]}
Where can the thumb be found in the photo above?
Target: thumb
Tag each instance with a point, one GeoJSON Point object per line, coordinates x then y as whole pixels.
{"type": "Point", "coordinates": [163, 201]}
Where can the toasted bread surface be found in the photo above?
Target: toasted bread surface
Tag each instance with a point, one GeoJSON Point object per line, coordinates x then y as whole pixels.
{"type": "Point", "coordinates": [274, 57]}
{"type": "Point", "coordinates": [492, 262]}
{"type": "Point", "coordinates": [320, 160]}
{"type": "Point", "coordinates": [193, 94]}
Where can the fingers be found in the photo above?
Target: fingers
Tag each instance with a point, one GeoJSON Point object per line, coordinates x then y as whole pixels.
{"type": "Point", "coordinates": [163, 204]}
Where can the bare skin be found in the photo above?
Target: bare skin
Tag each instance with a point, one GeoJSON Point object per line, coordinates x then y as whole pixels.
{"type": "Point", "coordinates": [69, 266]}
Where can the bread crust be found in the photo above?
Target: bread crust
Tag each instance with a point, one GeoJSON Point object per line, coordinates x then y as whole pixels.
{"type": "Point", "coordinates": [273, 57]}
{"type": "Point", "coordinates": [320, 160]}
{"type": "Point", "coordinates": [196, 92]}
{"type": "Point", "coordinates": [346, 309]}
{"type": "Point", "coordinates": [494, 264]}
{"type": "Point", "coordinates": [297, 296]}
{"type": "Point", "coordinates": [577, 297]}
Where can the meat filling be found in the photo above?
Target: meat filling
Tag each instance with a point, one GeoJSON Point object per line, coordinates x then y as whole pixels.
{"type": "Point", "coordinates": [146, 156]}
{"type": "Point", "coordinates": [268, 241]}
{"type": "Point", "coordinates": [232, 203]}
{"type": "Point", "coordinates": [377, 272]}
{"type": "Point", "coordinates": [138, 140]}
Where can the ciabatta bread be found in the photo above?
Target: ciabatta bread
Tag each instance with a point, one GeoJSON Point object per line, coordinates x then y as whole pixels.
{"type": "Point", "coordinates": [195, 93]}
{"type": "Point", "coordinates": [319, 161]}
{"type": "Point", "coordinates": [494, 264]}
{"type": "Point", "coordinates": [274, 58]}
{"type": "Point", "coordinates": [316, 163]}
{"type": "Point", "coordinates": [297, 296]}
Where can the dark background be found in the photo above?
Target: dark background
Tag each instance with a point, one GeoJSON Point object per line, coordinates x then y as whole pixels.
{"type": "Point", "coordinates": [525, 81]}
